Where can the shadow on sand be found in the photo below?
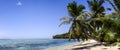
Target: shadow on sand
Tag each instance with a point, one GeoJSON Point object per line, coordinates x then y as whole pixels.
{"type": "Point", "coordinates": [87, 46]}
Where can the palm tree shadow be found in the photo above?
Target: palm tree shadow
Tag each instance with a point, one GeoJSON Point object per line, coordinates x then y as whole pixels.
{"type": "Point", "coordinates": [118, 48]}
{"type": "Point", "coordinates": [90, 46]}
{"type": "Point", "coordinates": [87, 47]}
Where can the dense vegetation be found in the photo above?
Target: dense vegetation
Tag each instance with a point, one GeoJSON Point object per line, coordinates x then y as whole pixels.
{"type": "Point", "coordinates": [96, 24]}
{"type": "Point", "coordinates": [61, 36]}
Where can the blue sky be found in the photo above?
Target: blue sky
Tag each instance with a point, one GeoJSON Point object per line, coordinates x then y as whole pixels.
{"type": "Point", "coordinates": [33, 18]}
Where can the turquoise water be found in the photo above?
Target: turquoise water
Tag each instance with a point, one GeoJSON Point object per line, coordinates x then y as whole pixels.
{"type": "Point", "coordinates": [31, 44]}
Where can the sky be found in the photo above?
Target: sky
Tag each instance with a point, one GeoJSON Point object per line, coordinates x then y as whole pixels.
{"type": "Point", "coordinates": [33, 18]}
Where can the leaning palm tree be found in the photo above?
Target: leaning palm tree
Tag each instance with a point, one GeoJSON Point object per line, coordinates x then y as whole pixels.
{"type": "Point", "coordinates": [110, 34]}
{"type": "Point", "coordinates": [95, 25]}
{"type": "Point", "coordinates": [97, 9]}
{"type": "Point", "coordinates": [102, 28]}
{"type": "Point", "coordinates": [74, 11]}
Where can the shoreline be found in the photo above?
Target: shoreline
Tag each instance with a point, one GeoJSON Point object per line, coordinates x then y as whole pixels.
{"type": "Point", "coordinates": [86, 45]}
{"type": "Point", "coordinates": [63, 47]}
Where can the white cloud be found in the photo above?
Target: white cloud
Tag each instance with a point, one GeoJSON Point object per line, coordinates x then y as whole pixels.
{"type": "Point", "coordinates": [19, 3]}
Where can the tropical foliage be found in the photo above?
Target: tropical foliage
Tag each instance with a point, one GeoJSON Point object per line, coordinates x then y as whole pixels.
{"type": "Point", "coordinates": [96, 24]}
{"type": "Point", "coordinates": [61, 36]}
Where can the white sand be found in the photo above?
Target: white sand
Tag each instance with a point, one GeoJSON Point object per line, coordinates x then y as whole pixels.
{"type": "Point", "coordinates": [92, 42]}
{"type": "Point", "coordinates": [87, 43]}
{"type": "Point", "coordinates": [104, 48]}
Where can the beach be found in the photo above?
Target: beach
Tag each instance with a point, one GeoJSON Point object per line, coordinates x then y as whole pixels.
{"type": "Point", "coordinates": [52, 44]}
{"type": "Point", "coordinates": [86, 45]}
{"type": "Point", "coordinates": [63, 47]}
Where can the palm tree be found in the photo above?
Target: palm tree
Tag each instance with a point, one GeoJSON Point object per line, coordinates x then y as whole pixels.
{"type": "Point", "coordinates": [74, 11]}
{"type": "Point", "coordinates": [110, 34]}
{"type": "Point", "coordinates": [95, 25]}
{"type": "Point", "coordinates": [97, 9]}
{"type": "Point", "coordinates": [115, 5]}
{"type": "Point", "coordinates": [112, 5]}
{"type": "Point", "coordinates": [104, 26]}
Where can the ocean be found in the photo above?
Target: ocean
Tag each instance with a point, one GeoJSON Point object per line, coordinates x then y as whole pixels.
{"type": "Point", "coordinates": [32, 44]}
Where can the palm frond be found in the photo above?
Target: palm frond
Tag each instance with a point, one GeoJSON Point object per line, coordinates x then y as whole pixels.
{"type": "Point", "coordinates": [74, 9]}
{"type": "Point", "coordinates": [65, 20]}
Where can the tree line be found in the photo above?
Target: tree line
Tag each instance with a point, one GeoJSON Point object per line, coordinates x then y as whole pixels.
{"type": "Point", "coordinates": [95, 24]}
